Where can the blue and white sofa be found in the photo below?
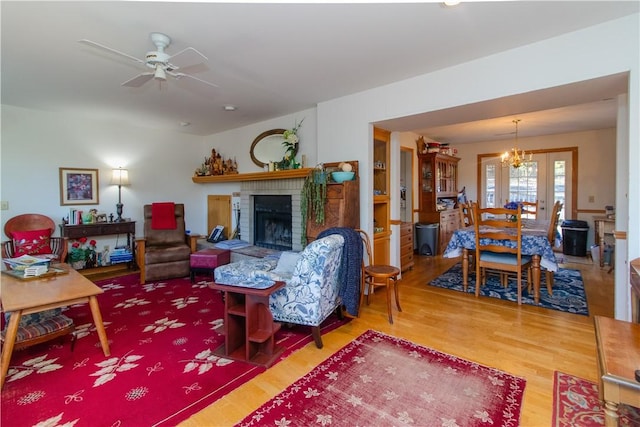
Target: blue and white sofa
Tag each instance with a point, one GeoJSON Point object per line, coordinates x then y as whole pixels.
{"type": "Point", "coordinates": [311, 292]}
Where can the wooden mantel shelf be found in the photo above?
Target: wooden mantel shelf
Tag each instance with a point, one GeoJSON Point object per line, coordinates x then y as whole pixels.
{"type": "Point", "coordinates": [253, 176]}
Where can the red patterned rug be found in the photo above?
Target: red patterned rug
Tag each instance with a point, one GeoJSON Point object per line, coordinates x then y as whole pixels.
{"type": "Point", "coordinates": [576, 403]}
{"type": "Point", "coordinates": [380, 380]}
{"type": "Point", "coordinates": [161, 369]}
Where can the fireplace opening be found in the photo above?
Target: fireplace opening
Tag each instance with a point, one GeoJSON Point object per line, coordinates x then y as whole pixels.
{"type": "Point", "coordinates": [272, 222]}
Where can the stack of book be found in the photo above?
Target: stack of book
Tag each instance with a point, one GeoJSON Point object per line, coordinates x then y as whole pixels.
{"type": "Point", "coordinates": [35, 270]}
{"type": "Point", "coordinates": [121, 255]}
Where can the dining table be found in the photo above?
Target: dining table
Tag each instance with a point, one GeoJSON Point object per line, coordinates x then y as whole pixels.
{"type": "Point", "coordinates": [535, 243]}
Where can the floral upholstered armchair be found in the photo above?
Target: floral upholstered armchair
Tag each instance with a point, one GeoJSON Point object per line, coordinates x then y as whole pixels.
{"type": "Point", "coordinates": [312, 286]}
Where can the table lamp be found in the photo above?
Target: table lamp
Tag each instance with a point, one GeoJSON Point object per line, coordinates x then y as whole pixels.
{"type": "Point", "coordinates": [119, 177]}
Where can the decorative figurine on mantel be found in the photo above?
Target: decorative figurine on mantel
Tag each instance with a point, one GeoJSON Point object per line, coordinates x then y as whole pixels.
{"type": "Point", "coordinates": [216, 165]}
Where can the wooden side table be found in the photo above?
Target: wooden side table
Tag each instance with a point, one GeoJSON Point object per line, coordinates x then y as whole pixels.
{"type": "Point", "coordinates": [248, 325]}
{"type": "Point", "coordinates": [618, 345]}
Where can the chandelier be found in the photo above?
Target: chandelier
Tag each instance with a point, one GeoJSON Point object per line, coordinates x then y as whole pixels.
{"type": "Point", "coordinates": [514, 158]}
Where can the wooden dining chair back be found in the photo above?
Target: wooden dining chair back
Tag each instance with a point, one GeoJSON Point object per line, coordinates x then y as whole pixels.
{"type": "Point", "coordinates": [499, 244]}
{"type": "Point", "coordinates": [466, 213]}
{"type": "Point", "coordinates": [554, 219]}
{"type": "Point", "coordinates": [377, 275]}
{"type": "Point", "coordinates": [529, 209]}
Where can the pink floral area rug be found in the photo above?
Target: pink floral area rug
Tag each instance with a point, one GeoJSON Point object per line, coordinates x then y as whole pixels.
{"type": "Point", "coordinates": [380, 380]}
{"type": "Point", "coordinates": [576, 403]}
{"type": "Point", "coordinates": [161, 370]}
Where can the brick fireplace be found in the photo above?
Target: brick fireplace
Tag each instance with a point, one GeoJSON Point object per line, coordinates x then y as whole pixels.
{"type": "Point", "coordinates": [249, 189]}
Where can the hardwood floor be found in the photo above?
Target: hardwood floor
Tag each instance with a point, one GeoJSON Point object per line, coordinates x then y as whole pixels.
{"type": "Point", "coordinates": [526, 341]}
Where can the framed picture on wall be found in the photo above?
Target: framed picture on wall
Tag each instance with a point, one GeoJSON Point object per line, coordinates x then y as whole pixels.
{"type": "Point", "coordinates": [78, 186]}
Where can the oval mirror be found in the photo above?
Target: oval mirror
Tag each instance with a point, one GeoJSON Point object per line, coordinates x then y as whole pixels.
{"type": "Point", "coordinates": [268, 147]}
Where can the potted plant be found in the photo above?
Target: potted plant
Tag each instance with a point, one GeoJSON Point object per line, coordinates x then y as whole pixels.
{"type": "Point", "coordinates": [313, 198]}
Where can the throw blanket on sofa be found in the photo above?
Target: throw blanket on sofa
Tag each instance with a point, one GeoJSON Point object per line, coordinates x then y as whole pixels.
{"type": "Point", "coordinates": [350, 267]}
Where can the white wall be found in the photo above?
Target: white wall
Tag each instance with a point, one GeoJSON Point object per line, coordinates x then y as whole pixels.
{"type": "Point", "coordinates": [344, 124]}
{"type": "Point", "coordinates": [35, 144]}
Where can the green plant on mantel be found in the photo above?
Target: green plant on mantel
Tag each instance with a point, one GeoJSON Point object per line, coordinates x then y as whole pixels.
{"type": "Point", "coordinates": [313, 198]}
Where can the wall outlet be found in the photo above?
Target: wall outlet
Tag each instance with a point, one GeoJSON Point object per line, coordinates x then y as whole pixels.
{"type": "Point", "coordinates": [4, 205]}
{"type": "Point", "coordinates": [592, 199]}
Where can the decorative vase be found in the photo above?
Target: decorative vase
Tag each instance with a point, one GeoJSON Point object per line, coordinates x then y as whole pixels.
{"type": "Point", "coordinates": [78, 265]}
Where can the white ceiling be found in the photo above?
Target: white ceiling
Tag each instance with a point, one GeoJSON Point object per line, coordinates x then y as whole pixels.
{"type": "Point", "coordinates": [275, 59]}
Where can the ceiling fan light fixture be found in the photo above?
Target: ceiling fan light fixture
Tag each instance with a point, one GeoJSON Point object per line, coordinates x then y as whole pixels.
{"type": "Point", "coordinates": [160, 74]}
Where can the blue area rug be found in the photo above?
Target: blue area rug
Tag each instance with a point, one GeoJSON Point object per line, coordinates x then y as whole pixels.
{"type": "Point", "coordinates": [568, 289]}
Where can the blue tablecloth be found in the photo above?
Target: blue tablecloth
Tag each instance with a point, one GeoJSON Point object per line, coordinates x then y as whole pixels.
{"type": "Point", "coordinates": [534, 242]}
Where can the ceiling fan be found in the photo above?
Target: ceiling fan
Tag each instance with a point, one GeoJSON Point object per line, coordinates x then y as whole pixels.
{"type": "Point", "coordinates": [159, 61]}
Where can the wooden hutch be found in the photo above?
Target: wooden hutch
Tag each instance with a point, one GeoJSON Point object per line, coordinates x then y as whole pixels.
{"type": "Point", "coordinates": [438, 184]}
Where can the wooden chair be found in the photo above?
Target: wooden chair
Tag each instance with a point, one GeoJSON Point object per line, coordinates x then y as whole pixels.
{"type": "Point", "coordinates": [466, 214]}
{"type": "Point", "coordinates": [38, 229]}
{"type": "Point", "coordinates": [39, 327]}
{"type": "Point", "coordinates": [466, 219]}
{"type": "Point", "coordinates": [551, 235]}
{"type": "Point", "coordinates": [378, 275]}
{"type": "Point", "coordinates": [529, 209]}
{"type": "Point", "coordinates": [493, 224]}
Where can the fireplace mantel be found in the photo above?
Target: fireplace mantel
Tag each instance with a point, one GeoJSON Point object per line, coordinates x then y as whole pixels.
{"type": "Point", "coordinates": [253, 176]}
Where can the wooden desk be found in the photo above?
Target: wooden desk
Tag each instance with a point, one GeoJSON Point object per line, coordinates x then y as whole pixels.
{"type": "Point", "coordinates": [248, 325]}
{"type": "Point", "coordinates": [618, 345]}
{"type": "Point", "coordinates": [24, 297]}
{"type": "Point", "coordinates": [603, 227]}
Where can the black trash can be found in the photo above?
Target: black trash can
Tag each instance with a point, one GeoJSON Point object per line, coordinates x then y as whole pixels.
{"type": "Point", "coordinates": [574, 237]}
{"type": "Point", "coordinates": [427, 238]}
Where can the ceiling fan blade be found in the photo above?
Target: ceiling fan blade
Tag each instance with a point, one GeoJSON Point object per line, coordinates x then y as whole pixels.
{"type": "Point", "coordinates": [138, 80]}
{"type": "Point", "coordinates": [108, 49]}
{"type": "Point", "coordinates": [187, 56]}
{"type": "Point", "coordinates": [178, 76]}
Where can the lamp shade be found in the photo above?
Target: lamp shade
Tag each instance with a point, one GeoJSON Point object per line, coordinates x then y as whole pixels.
{"type": "Point", "coordinates": [119, 177]}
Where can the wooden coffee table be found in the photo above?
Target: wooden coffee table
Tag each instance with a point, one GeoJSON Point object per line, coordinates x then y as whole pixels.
{"type": "Point", "coordinates": [618, 345]}
{"type": "Point", "coordinates": [22, 297]}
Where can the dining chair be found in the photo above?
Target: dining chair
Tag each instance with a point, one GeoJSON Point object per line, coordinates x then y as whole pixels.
{"type": "Point", "coordinates": [466, 219]}
{"type": "Point", "coordinates": [499, 245]}
{"type": "Point", "coordinates": [551, 236]}
{"type": "Point", "coordinates": [529, 209]}
{"type": "Point", "coordinates": [466, 213]}
{"type": "Point", "coordinates": [378, 275]}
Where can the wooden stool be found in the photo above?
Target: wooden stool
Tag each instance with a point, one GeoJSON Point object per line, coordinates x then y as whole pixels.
{"type": "Point", "coordinates": [206, 260]}
{"type": "Point", "coordinates": [378, 275]}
